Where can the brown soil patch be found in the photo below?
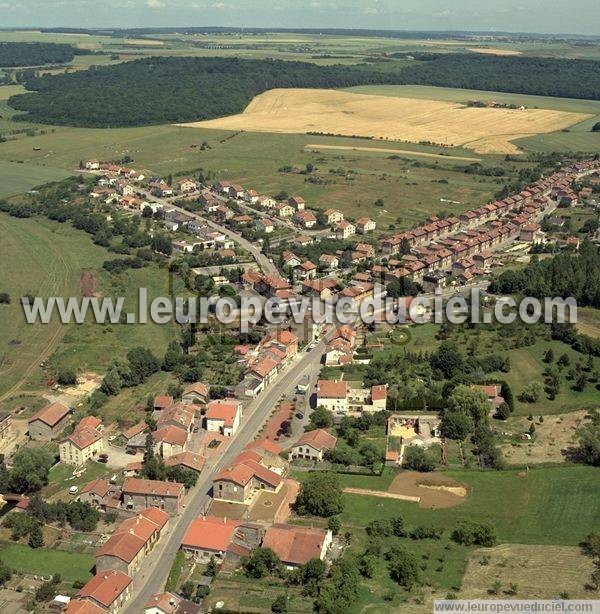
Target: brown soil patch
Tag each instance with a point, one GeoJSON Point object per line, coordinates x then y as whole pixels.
{"type": "Point", "coordinates": [555, 434]}
{"type": "Point", "coordinates": [382, 494]}
{"type": "Point", "coordinates": [87, 284]}
{"type": "Point", "coordinates": [435, 490]}
{"type": "Point", "coordinates": [226, 509]}
{"type": "Point", "coordinates": [273, 427]}
{"type": "Point", "coordinates": [541, 572]}
{"type": "Point", "coordinates": [394, 118]}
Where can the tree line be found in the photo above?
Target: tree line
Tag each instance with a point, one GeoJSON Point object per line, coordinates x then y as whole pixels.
{"type": "Point", "coordinates": [34, 54]}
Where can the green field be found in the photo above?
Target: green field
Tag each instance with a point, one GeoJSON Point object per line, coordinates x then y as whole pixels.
{"type": "Point", "coordinates": [551, 505]}
{"type": "Point", "coordinates": [18, 178]}
{"type": "Point", "coordinates": [70, 565]}
{"type": "Point", "coordinates": [46, 258]}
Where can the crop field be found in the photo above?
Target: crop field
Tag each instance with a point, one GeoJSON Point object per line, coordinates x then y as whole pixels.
{"type": "Point", "coordinates": [18, 178]}
{"type": "Point", "coordinates": [55, 257]}
{"type": "Point", "coordinates": [390, 118]}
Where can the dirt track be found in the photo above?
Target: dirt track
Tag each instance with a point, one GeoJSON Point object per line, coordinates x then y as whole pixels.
{"type": "Point", "coordinates": [393, 118]}
{"type": "Point", "coordinates": [434, 490]}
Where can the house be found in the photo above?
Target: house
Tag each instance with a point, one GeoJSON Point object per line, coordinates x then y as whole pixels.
{"type": "Point", "coordinates": [251, 472]}
{"type": "Point", "coordinates": [109, 590]}
{"type": "Point", "coordinates": [134, 431]}
{"type": "Point", "coordinates": [186, 460]}
{"type": "Point", "coordinates": [49, 422]}
{"type": "Point", "coordinates": [297, 202]}
{"type": "Point", "coordinates": [312, 445]}
{"type": "Point", "coordinates": [92, 165]}
{"type": "Point", "coordinates": [223, 416]}
{"type": "Point", "coordinates": [364, 225]}
{"type": "Point", "coordinates": [344, 230]}
{"type": "Point", "coordinates": [208, 537]}
{"type": "Point", "coordinates": [5, 422]}
{"type": "Point", "coordinates": [131, 542]}
{"type": "Point", "coordinates": [290, 260]}
{"type": "Point", "coordinates": [304, 240]}
{"type": "Point", "coordinates": [295, 545]}
{"type": "Point", "coordinates": [329, 262]}
{"type": "Point", "coordinates": [332, 395]}
{"type": "Point", "coordinates": [284, 210]}
{"type": "Point", "coordinates": [306, 219]}
{"type": "Point", "coordinates": [163, 603]}
{"type": "Point", "coordinates": [267, 202]}
{"type": "Point", "coordinates": [305, 270]}
{"type": "Point", "coordinates": [162, 402]}
{"type": "Point", "coordinates": [338, 352]}
{"type": "Point", "coordinates": [532, 233]}
{"type": "Point", "coordinates": [82, 606]}
{"type": "Point", "coordinates": [265, 369]}
{"type": "Point", "coordinates": [101, 494]}
{"type": "Point", "coordinates": [140, 494]}
{"type": "Point", "coordinates": [196, 393]}
{"type": "Point", "coordinates": [169, 440]}
{"type": "Point", "coordinates": [283, 339]}
{"type": "Point", "coordinates": [83, 444]}
{"type": "Point", "coordinates": [333, 216]}
{"type": "Point", "coordinates": [264, 224]}
{"type": "Point", "coordinates": [251, 196]}
{"type": "Point", "coordinates": [186, 185]}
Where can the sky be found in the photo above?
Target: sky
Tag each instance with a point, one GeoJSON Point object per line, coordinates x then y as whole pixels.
{"type": "Point", "coordinates": [542, 16]}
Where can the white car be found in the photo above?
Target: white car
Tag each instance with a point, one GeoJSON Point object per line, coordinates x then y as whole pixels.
{"type": "Point", "coordinates": [73, 490]}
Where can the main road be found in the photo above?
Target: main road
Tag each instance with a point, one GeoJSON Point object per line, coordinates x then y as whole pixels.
{"type": "Point", "coordinates": [151, 578]}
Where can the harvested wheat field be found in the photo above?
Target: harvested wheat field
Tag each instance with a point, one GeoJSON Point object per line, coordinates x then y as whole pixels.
{"type": "Point", "coordinates": [492, 51]}
{"type": "Point", "coordinates": [435, 490]}
{"type": "Point", "coordinates": [540, 572]}
{"type": "Point", "coordinates": [485, 131]}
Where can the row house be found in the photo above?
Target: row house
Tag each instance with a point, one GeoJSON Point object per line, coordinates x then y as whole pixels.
{"type": "Point", "coordinates": [304, 218]}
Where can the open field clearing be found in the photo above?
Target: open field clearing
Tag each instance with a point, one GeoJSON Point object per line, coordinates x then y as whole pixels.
{"type": "Point", "coordinates": [335, 112]}
{"type": "Point", "coordinates": [552, 437]}
{"type": "Point", "coordinates": [588, 321]}
{"type": "Point", "coordinates": [493, 51]}
{"type": "Point", "coordinates": [550, 505]}
{"type": "Point", "coordinates": [540, 572]}
{"type": "Point", "coordinates": [56, 255]}
{"type": "Point", "coordinates": [17, 178]}
{"type": "Point", "coordinates": [392, 151]}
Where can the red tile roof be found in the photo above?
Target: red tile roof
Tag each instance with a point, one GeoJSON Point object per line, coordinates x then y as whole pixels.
{"type": "Point", "coordinates": [166, 602]}
{"type": "Point", "coordinates": [170, 434]}
{"type": "Point", "coordinates": [140, 486]}
{"type": "Point", "coordinates": [83, 606]}
{"type": "Point", "coordinates": [319, 439]}
{"type": "Point", "coordinates": [224, 410]}
{"type": "Point", "coordinates": [51, 414]}
{"type": "Point", "coordinates": [296, 545]}
{"type": "Point", "coordinates": [330, 389]}
{"type": "Point", "coordinates": [106, 587]}
{"type": "Point", "coordinates": [186, 459]}
{"type": "Point", "coordinates": [209, 533]}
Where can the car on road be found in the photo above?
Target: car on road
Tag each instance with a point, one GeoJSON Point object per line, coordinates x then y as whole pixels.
{"type": "Point", "coordinates": [300, 416]}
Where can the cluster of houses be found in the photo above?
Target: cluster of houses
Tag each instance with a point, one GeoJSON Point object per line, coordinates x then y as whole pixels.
{"type": "Point", "coordinates": [343, 397]}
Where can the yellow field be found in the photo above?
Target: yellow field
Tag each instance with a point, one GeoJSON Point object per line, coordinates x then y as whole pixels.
{"type": "Point", "coordinates": [491, 51]}
{"type": "Point", "coordinates": [389, 118]}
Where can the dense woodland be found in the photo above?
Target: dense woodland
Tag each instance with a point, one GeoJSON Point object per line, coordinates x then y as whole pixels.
{"type": "Point", "coordinates": [161, 90]}
{"type": "Point", "coordinates": [34, 54]}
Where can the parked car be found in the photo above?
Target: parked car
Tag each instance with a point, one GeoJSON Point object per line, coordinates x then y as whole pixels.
{"type": "Point", "coordinates": [103, 459]}
{"type": "Point", "coordinates": [73, 490]}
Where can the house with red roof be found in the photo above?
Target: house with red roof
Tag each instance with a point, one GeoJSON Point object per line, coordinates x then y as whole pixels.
{"type": "Point", "coordinates": [131, 542]}
{"type": "Point", "coordinates": [83, 444]}
{"type": "Point", "coordinates": [196, 393]}
{"type": "Point", "coordinates": [312, 445]}
{"type": "Point", "coordinates": [209, 536]}
{"type": "Point", "coordinates": [139, 494]}
{"type": "Point", "coordinates": [223, 416]}
{"type": "Point", "coordinates": [296, 545]}
{"type": "Point", "coordinates": [109, 590]}
{"type": "Point", "coordinates": [332, 395]}
{"type": "Point", "coordinates": [49, 422]}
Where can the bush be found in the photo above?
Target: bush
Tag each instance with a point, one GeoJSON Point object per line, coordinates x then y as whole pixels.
{"type": "Point", "coordinates": [531, 393]}
{"type": "Point", "coordinates": [418, 460]}
{"type": "Point", "coordinates": [471, 533]}
{"type": "Point", "coordinates": [4, 298]}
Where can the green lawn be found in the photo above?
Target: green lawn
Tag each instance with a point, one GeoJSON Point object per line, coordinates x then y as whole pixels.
{"type": "Point", "coordinates": [70, 565]}
{"type": "Point", "coordinates": [61, 478]}
{"type": "Point", "coordinates": [551, 505]}
{"type": "Point", "coordinates": [17, 178]}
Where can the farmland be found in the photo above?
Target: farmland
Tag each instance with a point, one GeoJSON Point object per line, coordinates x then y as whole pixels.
{"type": "Point", "coordinates": [391, 118]}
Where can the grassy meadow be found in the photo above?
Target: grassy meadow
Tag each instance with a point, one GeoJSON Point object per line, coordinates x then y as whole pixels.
{"type": "Point", "coordinates": [45, 258]}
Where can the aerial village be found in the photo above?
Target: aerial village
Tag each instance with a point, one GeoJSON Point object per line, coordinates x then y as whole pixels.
{"type": "Point", "coordinates": [210, 472]}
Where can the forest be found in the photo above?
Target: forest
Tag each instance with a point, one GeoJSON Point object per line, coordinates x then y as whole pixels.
{"type": "Point", "coordinates": [159, 90]}
{"type": "Point", "coordinates": [34, 54]}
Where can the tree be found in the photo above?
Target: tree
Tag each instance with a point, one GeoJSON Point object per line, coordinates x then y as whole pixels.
{"type": "Point", "coordinates": [470, 401]}
{"type": "Point", "coordinates": [320, 495]}
{"type": "Point", "coordinates": [403, 567]}
{"type": "Point", "coordinates": [334, 524]}
{"type": "Point", "coordinates": [47, 589]}
{"type": "Point", "coordinates": [142, 364]}
{"type": "Point", "coordinates": [36, 537]}
{"type": "Point", "coordinates": [5, 573]}
{"type": "Point", "coordinates": [471, 533]}
{"type": "Point", "coordinates": [549, 356]}
{"type": "Point", "coordinates": [280, 604]}
{"type": "Point", "coordinates": [66, 376]}
{"type": "Point", "coordinates": [211, 567]}
{"type": "Point", "coordinates": [187, 589]}
{"type": "Point", "coordinates": [596, 127]}
{"type": "Point", "coordinates": [320, 418]}
{"type": "Point", "coordinates": [339, 593]}
{"type": "Point", "coordinates": [531, 393]}
{"type": "Point", "coordinates": [261, 562]}
{"type": "Point", "coordinates": [588, 450]}
{"type": "Point", "coordinates": [456, 425]}
{"type": "Point", "coordinates": [503, 412]}
{"type": "Point", "coordinates": [564, 360]}
{"type": "Point", "coordinates": [4, 298]}
{"type": "Point", "coordinates": [367, 565]}
{"type": "Point", "coordinates": [448, 360]}
{"type": "Point", "coordinates": [30, 470]}
{"type": "Point", "coordinates": [417, 459]}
